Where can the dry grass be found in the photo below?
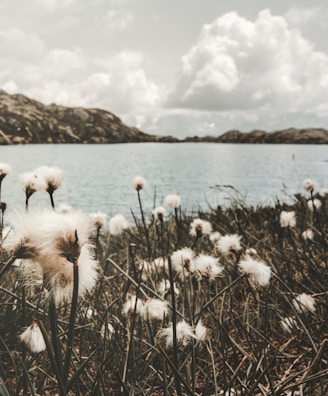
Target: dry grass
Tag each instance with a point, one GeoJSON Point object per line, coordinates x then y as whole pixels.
{"type": "Point", "coordinates": [246, 347]}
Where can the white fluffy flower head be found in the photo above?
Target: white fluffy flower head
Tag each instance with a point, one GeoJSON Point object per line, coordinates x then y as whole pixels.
{"type": "Point", "coordinates": [309, 185]}
{"type": "Point", "coordinates": [229, 243]}
{"type": "Point", "coordinates": [184, 334]}
{"type": "Point", "coordinates": [4, 170]}
{"type": "Point", "coordinates": [33, 338]}
{"type": "Point", "coordinates": [31, 183]}
{"type": "Point", "coordinates": [132, 304]}
{"type": "Point", "coordinates": [57, 242]}
{"type": "Point", "coordinates": [159, 213]}
{"type": "Point", "coordinates": [139, 183]}
{"type": "Point", "coordinates": [314, 204]}
{"type": "Point", "coordinates": [215, 236]}
{"type": "Point", "coordinates": [287, 219]}
{"type": "Point", "coordinates": [154, 309]}
{"type": "Point", "coordinates": [117, 224]}
{"type": "Point", "coordinates": [207, 266]}
{"type": "Point", "coordinates": [182, 260]}
{"type": "Point", "coordinates": [98, 219]}
{"type": "Point", "coordinates": [199, 227]}
{"type": "Point", "coordinates": [304, 303]}
{"type": "Point", "coordinates": [172, 201]}
{"type": "Point", "coordinates": [308, 234]}
{"type": "Point", "coordinates": [201, 331]}
{"type": "Point", "coordinates": [289, 324]}
{"type": "Point", "coordinates": [258, 272]}
{"type": "Point", "coordinates": [52, 176]}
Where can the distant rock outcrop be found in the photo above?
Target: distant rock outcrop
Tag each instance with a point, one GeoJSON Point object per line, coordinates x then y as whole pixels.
{"type": "Point", "coordinates": [24, 120]}
{"type": "Point", "coordinates": [286, 136]}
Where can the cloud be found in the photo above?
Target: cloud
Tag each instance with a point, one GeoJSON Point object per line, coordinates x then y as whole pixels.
{"type": "Point", "coordinates": [118, 19]}
{"type": "Point", "coordinates": [237, 64]}
{"type": "Point", "coordinates": [69, 77]}
{"type": "Point", "coordinates": [300, 16]}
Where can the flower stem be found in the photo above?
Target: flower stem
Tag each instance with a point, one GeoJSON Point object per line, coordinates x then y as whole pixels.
{"type": "Point", "coordinates": [71, 326]}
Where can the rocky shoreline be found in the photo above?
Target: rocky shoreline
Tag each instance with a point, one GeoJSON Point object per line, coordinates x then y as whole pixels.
{"type": "Point", "coordinates": [27, 121]}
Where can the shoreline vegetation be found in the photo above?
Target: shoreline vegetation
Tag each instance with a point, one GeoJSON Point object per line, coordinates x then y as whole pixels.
{"type": "Point", "coordinates": [230, 301]}
{"type": "Point", "coordinates": [27, 121]}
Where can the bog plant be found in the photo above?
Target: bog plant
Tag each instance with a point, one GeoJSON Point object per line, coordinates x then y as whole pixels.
{"type": "Point", "coordinates": [228, 302]}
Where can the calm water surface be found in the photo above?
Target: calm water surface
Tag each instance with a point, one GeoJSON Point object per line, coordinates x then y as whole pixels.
{"type": "Point", "coordinates": [98, 177]}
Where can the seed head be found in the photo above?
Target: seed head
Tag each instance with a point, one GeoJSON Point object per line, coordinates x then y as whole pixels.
{"type": "Point", "coordinates": [139, 183]}
{"type": "Point", "coordinates": [172, 201]}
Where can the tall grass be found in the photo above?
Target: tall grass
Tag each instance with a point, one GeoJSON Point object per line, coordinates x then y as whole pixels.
{"type": "Point", "coordinates": [196, 333]}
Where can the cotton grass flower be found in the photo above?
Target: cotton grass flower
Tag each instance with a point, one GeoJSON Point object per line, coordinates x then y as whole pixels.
{"type": "Point", "coordinates": [182, 260]}
{"type": "Point", "coordinates": [207, 266]}
{"type": "Point", "coordinates": [52, 176]}
{"type": "Point", "coordinates": [139, 183]}
{"type": "Point", "coordinates": [33, 338]}
{"type": "Point", "coordinates": [31, 183]}
{"type": "Point", "coordinates": [107, 331]}
{"type": "Point", "coordinates": [57, 242]}
{"type": "Point", "coordinates": [215, 236]}
{"type": "Point", "coordinates": [132, 304]}
{"type": "Point", "coordinates": [304, 303]}
{"type": "Point", "coordinates": [229, 243]}
{"type": "Point", "coordinates": [201, 331]}
{"type": "Point", "coordinates": [258, 272]}
{"type": "Point", "coordinates": [98, 220]}
{"type": "Point", "coordinates": [165, 286]}
{"type": "Point", "coordinates": [184, 334]}
{"type": "Point", "coordinates": [159, 213]}
{"type": "Point", "coordinates": [4, 170]}
{"type": "Point", "coordinates": [289, 324]}
{"type": "Point", "coordinates": [309, 185]}
{"type": "Point", "coordinates": [117, 224]}
{"type": "Point", "coordinates": [172, 201]}
{"type": "Point", "coordinates": [314, 204]}
{"type": "Point", "coordinates": [199, 227]}
{"type": "Point", "coordinates": [308, 234]}
{"type": "Point", "coordinates": [287, 219]}
{"type": "Point", "coordinates": [154, 309]}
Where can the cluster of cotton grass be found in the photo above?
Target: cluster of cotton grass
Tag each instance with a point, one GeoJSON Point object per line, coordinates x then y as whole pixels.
{"type": "Point", "coordinates": [232, 301]}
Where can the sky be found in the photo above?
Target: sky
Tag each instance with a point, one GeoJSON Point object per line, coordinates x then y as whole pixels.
{"type": "Point", "coordinates": [173, 67]}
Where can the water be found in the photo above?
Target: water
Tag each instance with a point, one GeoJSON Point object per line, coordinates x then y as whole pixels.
{"type": "Point", "coordinates": [99, 177]}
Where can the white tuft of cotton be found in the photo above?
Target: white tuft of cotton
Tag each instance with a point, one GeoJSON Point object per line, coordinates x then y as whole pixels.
{"type": "Point", "coordinates": [33, 338]}
{"type": "Point", "coordinates": [259, 273]}
{"type": "Point", "coordinates": [304, 303]}
{"type": "Point", "coordinates": [199, 227]}
{"type": "Point", "coordinates": [287, 219]}
{"type": "Point", "coordinates": [207, 266]}
{"type": "Point", "coordinates": [172, 201]}
{"type": "Point", "coordinates": [139, 183]}
{"type": "Point", "coordinates": [117, 224]}
{"type": "Point", "coordinates": [229, 243]}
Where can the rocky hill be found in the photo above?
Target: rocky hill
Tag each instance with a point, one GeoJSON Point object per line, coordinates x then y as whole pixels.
{"type": "Point", "coordinates": [286, 136]}
{"type": "Point", "coordinates": [24, 120]}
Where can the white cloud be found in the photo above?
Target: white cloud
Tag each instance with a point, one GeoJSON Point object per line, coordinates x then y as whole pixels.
{"type": "Point", "coordinates": [118, 19]}
{"type": "Point", "coordinates": [237, 64]}
{"type": "Point", "coordinates": [68, 77]}
{"type": "Point", "coordinates": [300, 16]}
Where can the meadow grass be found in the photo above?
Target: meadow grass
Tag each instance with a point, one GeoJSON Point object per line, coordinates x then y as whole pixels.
{"type": "Point", "coordinates": [174, 311]}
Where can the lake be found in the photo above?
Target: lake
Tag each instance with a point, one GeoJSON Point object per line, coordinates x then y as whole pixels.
{"type": "Point", "coordinates": [99, 177]}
